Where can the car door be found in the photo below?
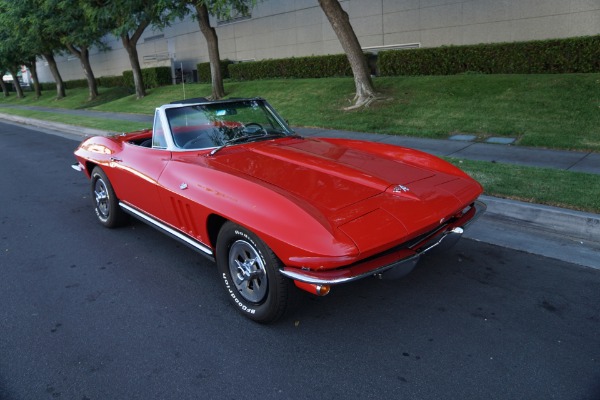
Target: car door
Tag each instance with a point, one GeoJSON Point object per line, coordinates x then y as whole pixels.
{"type": "Point", "coordinates": [183, 193]}
{"type": "Point", "coordinates": [135, 175]}
{"type": "Point", "coordinates": [137, 169]}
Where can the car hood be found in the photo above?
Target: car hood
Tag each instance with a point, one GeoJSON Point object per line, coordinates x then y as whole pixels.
{"type": "Point", "coordinates": [327, 175]}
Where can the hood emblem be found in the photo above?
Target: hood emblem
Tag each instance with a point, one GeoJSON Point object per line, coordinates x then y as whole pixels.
{"type": "Point", "coordinates": [400, 188]}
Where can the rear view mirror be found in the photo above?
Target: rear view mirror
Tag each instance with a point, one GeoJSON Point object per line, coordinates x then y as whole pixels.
{"type": "Point", "coordinates": [227, 111]}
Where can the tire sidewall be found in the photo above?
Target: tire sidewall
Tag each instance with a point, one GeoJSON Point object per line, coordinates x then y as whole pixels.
{"type": "Point", "coordinates": [113, 206]}
{"type": "Point", "coordinates": [271, 307]}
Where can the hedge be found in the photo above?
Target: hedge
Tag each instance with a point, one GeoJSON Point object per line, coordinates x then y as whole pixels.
{"type": "Point", "coordinates": [111, 81]}
{"type": "Point", "coordinates": [581, 54]}
{"type": "Point", "coordinates": [295, 67]}
{"type": "Point", "coordinates": [153, 77]}
{"type": "Point", "coordinates": [204, 74]}
{"type": "Point", "coordinates": [72, 84]}
{"type": "Point", "coordinates": [103, 81]}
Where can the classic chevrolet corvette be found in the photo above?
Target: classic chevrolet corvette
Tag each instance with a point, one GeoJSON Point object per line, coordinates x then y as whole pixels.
{"type": "Point", "coordinates": [276, 210]}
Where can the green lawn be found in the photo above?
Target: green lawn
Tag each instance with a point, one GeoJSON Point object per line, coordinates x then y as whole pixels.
{"type": "Point", "coordinates": [556, 111]}
{"type": "Point", "coordinates": [575, 190]}
{"type": "Point", "coordinates": [552, 111]}
{"type": "Point", "coordinates": [96, 123]}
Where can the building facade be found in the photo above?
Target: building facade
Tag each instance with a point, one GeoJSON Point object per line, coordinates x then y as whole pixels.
{"type": "Point", "coordinates": [294, 28]}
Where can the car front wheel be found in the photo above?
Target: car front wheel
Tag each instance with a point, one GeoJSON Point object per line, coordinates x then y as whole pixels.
{"type": "Point", "coordinates": [106, 204]}
{"type": "Point", "coordinates": [250, 274]}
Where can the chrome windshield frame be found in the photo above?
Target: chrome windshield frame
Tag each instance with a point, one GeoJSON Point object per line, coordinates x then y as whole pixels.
{"type": "Point", "coordinates": [161, 112]}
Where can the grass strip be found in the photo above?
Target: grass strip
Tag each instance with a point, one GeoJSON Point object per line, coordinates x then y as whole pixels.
{"type": "Point", "coordinates": [76, 120]}
{"type": "Point", "coordinates": [567, 189]}
{"type": "Point", "coordinates": [560, 111]}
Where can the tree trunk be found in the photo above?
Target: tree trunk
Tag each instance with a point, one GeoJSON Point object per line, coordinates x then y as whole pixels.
{"type": "Point", "coordinates": [3, 85]}
{"type": "Point", "coordinates": [13, 73]}
{"type": "Point", "coordinates": [340, 22]}
{"type": "Point", "coordinates": [84, 57]}
{"type": "Point", "coordinates": [212, 41]}
{"type": "Point", "coordinates": [60, 85]}
{"type": "Point", "coordinates": [36, 83]}
{"type": "Point", "coordinates": [130, 44]}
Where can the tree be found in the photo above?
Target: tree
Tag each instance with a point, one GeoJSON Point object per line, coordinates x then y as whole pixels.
{"type": "Point", "coordinates": [340, 22]}
{"type": "Point", "coordinates": [13, 71]}
{"type": "Point", "coordinates": [28, 20]}
{"type": "Point", "coordinates": [212, 41]}
{"type": "Point", "coordinates": [222, 9]}
{"type": "Point", "coordinates": [32, 66]}
{"type": "Point", "coordinates": [60, 85]}
{"type": "Point", "coordinates": [34, 36]}
{"type": "Point", "coordinates": [3, 84]}
{"type": "Point", "coordinates": [128, 19]}
{"type": "Point", "coordinates": [17, 18]}
{"type": "Point", "coordinates": [12, 53]}
{"type": "Point", "coordinates": [82, 52]}
{"type": "Point", "coordinates": [66, 21]}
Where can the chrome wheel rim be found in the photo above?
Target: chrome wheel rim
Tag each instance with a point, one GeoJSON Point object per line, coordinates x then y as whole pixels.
{"type": "Point", "coordinates": [101, 198]}
{"type": "Point", "coordinates": [248, 271]}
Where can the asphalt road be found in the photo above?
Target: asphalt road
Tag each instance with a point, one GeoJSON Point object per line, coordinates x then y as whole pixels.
{"type": "Point", "coordinates": [92, 313]}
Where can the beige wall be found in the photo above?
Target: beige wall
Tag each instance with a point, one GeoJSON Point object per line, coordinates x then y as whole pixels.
{"type": "Point", "coordinates": [287, 28]}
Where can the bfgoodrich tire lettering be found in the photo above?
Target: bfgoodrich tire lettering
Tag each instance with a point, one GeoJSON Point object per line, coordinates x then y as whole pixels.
{"type": "Point", "coordinates": [106, 204]}
{"type": "Point", "coordinates": [250, 274]}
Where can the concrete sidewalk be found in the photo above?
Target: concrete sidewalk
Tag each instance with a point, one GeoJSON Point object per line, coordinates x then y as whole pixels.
{"type": "Point", "coordinates": [567, 235]}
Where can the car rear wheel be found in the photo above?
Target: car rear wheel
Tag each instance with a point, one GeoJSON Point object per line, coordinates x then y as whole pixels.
{"type": "Point", "coordinates": [250, 274]}
{"type": "Point", "coordinates": [106, 204]}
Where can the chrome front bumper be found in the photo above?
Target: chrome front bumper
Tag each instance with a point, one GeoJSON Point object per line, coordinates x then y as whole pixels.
{"type": "Point", "coordinates": [394, 264]}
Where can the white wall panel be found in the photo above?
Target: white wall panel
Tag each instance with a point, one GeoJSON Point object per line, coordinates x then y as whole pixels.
{"type": "Point", "coordinates": [288, 28]}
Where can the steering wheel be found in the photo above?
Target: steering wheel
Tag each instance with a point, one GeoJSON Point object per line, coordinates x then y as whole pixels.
{"type": "Point", "coordinates": [256, 124]}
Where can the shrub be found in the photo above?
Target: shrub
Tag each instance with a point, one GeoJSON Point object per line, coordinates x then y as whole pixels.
{"type": "Point", "coordinates": [111, 81]}
{"type": "Point", "coordinates": [295, 67]}
{"type": "Point", "coordinates": [581, 54]}
{"type": "Point", "coordinates": [47, 85]}
{"type": "Point", "coordinates": [153, 77]}
{"type": "Point", "coordinates": [204, 74]}
{"type": "Point", "coordinates": [75, 83]}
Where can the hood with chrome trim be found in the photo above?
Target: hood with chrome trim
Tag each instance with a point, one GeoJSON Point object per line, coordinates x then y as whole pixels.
{"type": "Point", "coordinates": [326, 175]}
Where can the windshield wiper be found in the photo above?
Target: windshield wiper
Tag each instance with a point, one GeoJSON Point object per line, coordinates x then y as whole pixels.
{"type": "Point", "coordinates": [248, 138]}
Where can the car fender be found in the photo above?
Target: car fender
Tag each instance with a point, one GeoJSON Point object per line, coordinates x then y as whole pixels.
{"type": "Point", "coordinates": [97, 150]}
{"type": "Point", "coordinates": [296, 231]}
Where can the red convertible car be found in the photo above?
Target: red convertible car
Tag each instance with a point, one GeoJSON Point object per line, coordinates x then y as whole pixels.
{"type": "Point", "coordinates": [276, 210]}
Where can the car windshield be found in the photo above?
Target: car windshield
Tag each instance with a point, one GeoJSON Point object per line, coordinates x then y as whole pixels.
{"type": "Point", "coordinates": [222, 124]}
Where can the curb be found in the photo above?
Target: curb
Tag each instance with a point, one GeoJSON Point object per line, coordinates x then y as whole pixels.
{"type": "Point", "coordinates": [55, 126]}
{"type": "Point", "coordinates": [575, 224]}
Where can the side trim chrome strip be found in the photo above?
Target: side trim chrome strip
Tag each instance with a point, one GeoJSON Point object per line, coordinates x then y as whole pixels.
{"type": "Point", "coordinates": [167, 229]}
